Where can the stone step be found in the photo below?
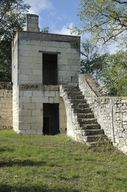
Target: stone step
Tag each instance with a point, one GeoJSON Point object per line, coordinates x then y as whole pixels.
{"type": "Point", "coordinates": [78, 101]}
{"type": "Point", "coordinates": [83, 105]}
{"type": "Point", "coordinates": [85, 115]}
{"type": "Point", "coordinates": [97, 138]}
{"type": "Point", "coordinates": [98, 143]}
{"type": "Point", "coordinates": [90, 121]}
{"type": "Point", "coordinates": [74, 93]}
{"type": "Point", "coordinates": [72, 89]}
{"type": "Point", "coordinates": [80, 105]}
{"type": "Point", "coordinates": [71, 93]}
{"type": "Point", "coordinates": [82, 110]}
{"type": "Point", "coordinates": [94, 132]}
{"type": "Point", "coordinates": [91, 126]}
{"type": "Point", "coordinates": [74, 97]}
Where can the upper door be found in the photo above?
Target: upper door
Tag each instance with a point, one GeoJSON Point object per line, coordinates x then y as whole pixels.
{"type": "Point", "coordinates": [50, 69]}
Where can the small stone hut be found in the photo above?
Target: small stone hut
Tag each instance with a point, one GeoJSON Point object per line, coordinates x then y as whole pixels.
{"type": "Point", "coordinates": [41, 62]}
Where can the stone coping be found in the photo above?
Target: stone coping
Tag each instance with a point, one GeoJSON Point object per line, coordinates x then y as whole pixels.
{"type": "Point", "coordinates": [40, 36]}
{"type": "Point", "coordinates": [39, 87]}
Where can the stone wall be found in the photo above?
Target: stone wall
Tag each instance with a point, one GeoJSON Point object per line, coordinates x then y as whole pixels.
{"type": "Point", "coordinates": [15, 107]}
{"type": "Point", "coordinates": [73, 128]}
{"type": "Point", "coordinates": [62, 116]}
{"type": "Point", "coordinates": [29, 93]}
{"type": "Point", "coordinates": [111, 112]}
{"type": "Point", "coordinates": [31, 47]}
{"type": "Point", "coordinates": [32, 23]}
{"type": "Point", "coordinates": [29, 108]}
{"type": "Point", "coordinates": [5, 105]}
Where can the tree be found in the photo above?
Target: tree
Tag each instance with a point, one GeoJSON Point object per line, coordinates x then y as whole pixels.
{"type": "Point", "coordinates": [114, 74]}
{"type": "Point", "coordinates": [105, 19]}
{"type": "Point", "coordinates": [92, 60]}
{"type": "Point", "coordinates": [109, 70]}
{"type": "Point", "coordinates": [12, 18]}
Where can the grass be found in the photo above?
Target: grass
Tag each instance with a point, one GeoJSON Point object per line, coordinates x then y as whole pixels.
{"type": "Point", "coordinates": [58, 164]}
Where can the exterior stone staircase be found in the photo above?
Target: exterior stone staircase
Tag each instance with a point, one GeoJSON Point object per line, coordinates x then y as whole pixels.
{"type": "Point", "coordinates": [88, 124]}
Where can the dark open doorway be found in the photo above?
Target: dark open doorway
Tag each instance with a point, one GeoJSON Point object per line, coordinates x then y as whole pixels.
{"type": "Point", "coordinates": [49, 69]}
{"type": "Point", "coordinates": [50, 119]}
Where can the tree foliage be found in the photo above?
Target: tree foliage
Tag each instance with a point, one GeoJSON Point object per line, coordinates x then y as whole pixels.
{"type": "Point", "coordinates": [105, 19]}
{"type": "Point", "coordinates": [92, 61]}
{"type": "Point", "coordinates": [114, 74]}
{"type": "Point", "coordinates": [109, 70]}
{"type": "Point", "coordinates": [12, 18]}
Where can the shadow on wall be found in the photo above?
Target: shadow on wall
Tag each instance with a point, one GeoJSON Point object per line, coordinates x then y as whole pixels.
{"type": "Point", "coordinates": [33, 188]}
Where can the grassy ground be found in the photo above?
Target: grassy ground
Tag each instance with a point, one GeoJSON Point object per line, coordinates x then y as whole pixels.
{"type": "Point", "coordinates": [57, 164]}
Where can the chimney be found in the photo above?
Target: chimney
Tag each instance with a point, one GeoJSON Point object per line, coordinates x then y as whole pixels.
{"type": "Point", "coordinates": [32, 23]}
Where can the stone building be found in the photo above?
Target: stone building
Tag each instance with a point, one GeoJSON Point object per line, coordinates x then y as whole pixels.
{"type": "Point", "coordinates": [41, 62]}
{"type": "Point", "coordinates": [50, 97]}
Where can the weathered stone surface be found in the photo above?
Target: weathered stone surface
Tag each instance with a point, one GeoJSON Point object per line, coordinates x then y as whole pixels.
{"type": "Point", "coordinates": [5, 107]}
{"type": "Point", "coordinates": [28, 56]}
{"type": "Point", "coordinates": [81, 123]}
{"type": "Point", "coordinates": [29, 93]}
{"type": "Point", "coordinates": [111, 113]}
{"type": "Point", "coordinates": [32, 23]}
{"type": "Point", "coordinates": [6, 85]}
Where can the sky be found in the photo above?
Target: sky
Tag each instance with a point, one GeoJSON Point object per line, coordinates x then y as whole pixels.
{"type": "Point", "coordinates": [58, 15]}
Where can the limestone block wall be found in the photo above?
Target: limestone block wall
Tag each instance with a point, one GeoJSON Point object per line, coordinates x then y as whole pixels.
{"type": "Point", "coordinates": [29, 108]}
{"type": "Point", "coordinates": [111, 113]}
{"type": "Point", "coordinates": [15, 108]}
{"type": "Point", "coordinates": [30, 112]}
{"type": "Point", "coordinates": [31, 49]}
{"type": "Point", "coordinates": [29, 93]}
{"type": "Point", "coordinates": [15, 66]}
{"type": "Point", "coordinates": [32, 23]}
{"type": "Point", "coordinates": [73, 128]}
{"type": "Point", "coordinates": [62, 116]}
{"type": "Point", "coordinates": [5, 106]}
{"type": "Point", "coordinates": [30, 62]}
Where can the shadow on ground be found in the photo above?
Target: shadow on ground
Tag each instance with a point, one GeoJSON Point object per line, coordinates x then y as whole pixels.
{"type": "Point", "coordinates": [25, 162]}
{"type": "Point", "coordinates": [4, 149]}
{"type": "Point", "coordinates": [7, 188]}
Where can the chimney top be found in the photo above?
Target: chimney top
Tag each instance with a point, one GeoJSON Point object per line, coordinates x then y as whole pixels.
{"type": "Point", "coordinates": [32, 23]}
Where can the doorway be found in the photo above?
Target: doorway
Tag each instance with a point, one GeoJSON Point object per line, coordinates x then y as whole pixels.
{"type": "Point", "coordinates": [49, 69]}
{"type": "Point", "coordinates": [50, 119]}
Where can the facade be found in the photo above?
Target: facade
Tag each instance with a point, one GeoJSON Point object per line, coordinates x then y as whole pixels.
{"type": "Point", "coordinates": [50, 97]}
{"type": "Point", "coordinates": [41, 62]}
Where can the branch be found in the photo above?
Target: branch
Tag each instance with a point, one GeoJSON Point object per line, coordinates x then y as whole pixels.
{"type": "Point", "coordinates": [83, 54]}
{"type": "Point", "coordinates": [118, 18]}
{"type": "Point", "coordinates": [118, 1]}
{"type": "Point", "coordinates": [112, 36]}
